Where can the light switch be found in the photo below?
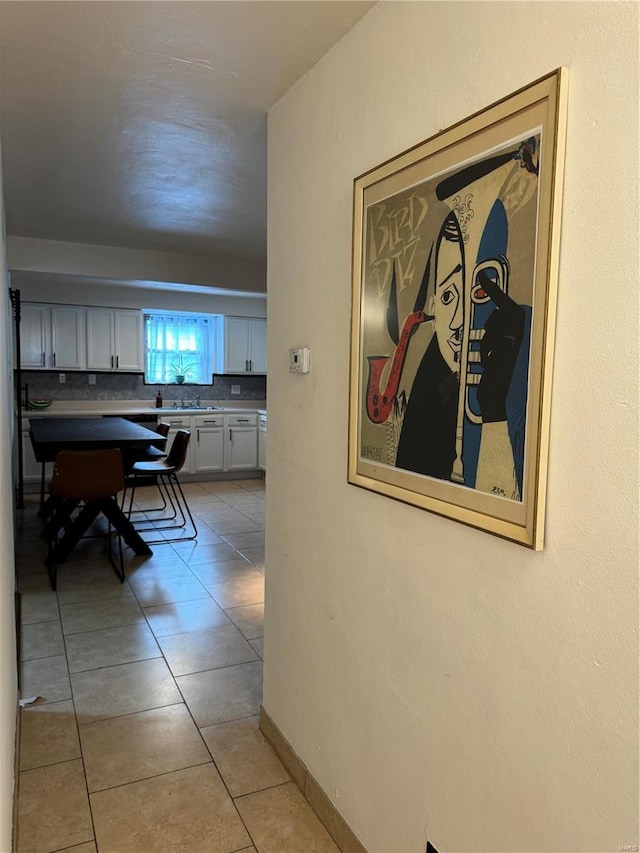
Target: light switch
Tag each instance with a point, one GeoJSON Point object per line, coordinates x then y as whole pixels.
{"type": "Point", "coordinates": [62, 378]}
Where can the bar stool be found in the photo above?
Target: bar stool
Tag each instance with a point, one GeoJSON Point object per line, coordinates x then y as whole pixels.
{"type": "Point", "coordinates": [89, 480]}
{"type": "Point", "coordinates": [166, 472]}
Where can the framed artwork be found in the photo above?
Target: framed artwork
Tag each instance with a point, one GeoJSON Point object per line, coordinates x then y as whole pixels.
{"type": "Point", "coordinates": [455, 259]}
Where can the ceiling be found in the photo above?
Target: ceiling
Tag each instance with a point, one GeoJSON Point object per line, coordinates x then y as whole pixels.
{"type": "Point", "coordinates": [143, 124]}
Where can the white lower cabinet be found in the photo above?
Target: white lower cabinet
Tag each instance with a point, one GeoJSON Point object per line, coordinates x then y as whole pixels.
{"type": "Point", "coordinates": [209, 443]}
{"type": "Point", "coordinates": [219, 443]}
{"type": "Point", "coordinates": [177, 423]}
{"type": "Point", "coordinates": [242, 442]}
{"type": "Point", "coordinates": [32, 470]}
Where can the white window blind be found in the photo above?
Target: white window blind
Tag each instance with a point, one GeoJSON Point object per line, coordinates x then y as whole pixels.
{"type": "Point", "coordinates": [177, 345]}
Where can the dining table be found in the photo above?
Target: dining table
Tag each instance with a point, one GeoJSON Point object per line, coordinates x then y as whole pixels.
{"type": "Point", "coordinates": [50, 435]}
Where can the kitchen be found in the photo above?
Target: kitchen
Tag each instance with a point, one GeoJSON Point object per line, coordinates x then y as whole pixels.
{"type": "Point", "coordinates": [86, 361]}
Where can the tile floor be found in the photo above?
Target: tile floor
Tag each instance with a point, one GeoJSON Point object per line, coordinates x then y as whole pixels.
{"type": "Point", "coordinates": [144, 736]}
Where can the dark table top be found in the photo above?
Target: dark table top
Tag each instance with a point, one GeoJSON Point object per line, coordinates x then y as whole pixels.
{"type": "Point", "coordinates": [49, 435]}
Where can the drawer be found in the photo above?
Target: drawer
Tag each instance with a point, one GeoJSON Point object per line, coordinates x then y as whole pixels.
{"type": "Point", "coordinates": [177, 422]}
{"type": "Point", "coordinates": [242, 420]}
{"type": "Point", "coordinates": [209, 420]}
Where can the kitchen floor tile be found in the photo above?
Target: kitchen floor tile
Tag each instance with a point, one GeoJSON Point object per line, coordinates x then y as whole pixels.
{"type": "Point", "coordinates": [53, 808]}
{"type": "Point", "coordinates": [48, 734]}
{"type": "Point", "coordinates": [244, 759]}
{"type": "Point", "coordinates": [242, 524]}
{"type": "Point", "coordinates": [239, 541]}
{"type": "Point", "coordinates": [139, 746]}
{"type": "Point", "coordinates": [47, 678]}
{"type": "Point", "coordinates": [38, 607]}
{"type": "Point", "coordinates": [211, 573]}
{"type": "Point", "coordinates": [250, 620]}
{"type": "Point", "coordinates": [185, 616]}
{"type": "Point", "coordinates": [281, 821]}
{"type": "Point", "coordinates": [204, 552]}
{"type": "Point", "coordinates": [110, 647]}
{"type": "Point", "coordinates": [258, 645]}
{"type": "Point", "coordinates": [117, 690]}
{"type": "Point", "coordinates": [254, 555]}
{"type": "Point", "coordinates": [241, 591]}
{"type": "Point", "coordinates": [182, 812]}
{"type": "Point", "coordinates": [219, 695]}
{"type": "Point", "coordinates": [104, 613]}
{"type": "Point", "coordinates": [41, 640]}
{"type": "Point", "coordinates": [167, 590]}
{"type": "Point", "coordinates": [212, 648]}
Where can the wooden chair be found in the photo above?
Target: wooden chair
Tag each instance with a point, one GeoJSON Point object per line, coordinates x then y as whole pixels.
{"type": "Point", "coordinates": [87, 481]}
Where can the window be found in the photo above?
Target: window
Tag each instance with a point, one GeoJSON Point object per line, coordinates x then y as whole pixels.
{"type": "Point", "coordinates": [178, 347]}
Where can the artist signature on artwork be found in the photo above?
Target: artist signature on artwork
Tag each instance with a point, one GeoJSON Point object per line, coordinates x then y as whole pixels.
{"type": "Point", "coordinates": [496, 490]}
{"type": "Point", "coordinates": [370, 451]}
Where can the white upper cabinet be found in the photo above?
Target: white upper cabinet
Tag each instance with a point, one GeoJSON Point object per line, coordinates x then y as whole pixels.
{"type": "Point", "coordinates": [52, 337]}
{"type": "Point", "coordinates": [128, 339]}
{"type": "Point", "coordinates": [68, 337]}
{"type": "Point", "coordinates": [35, 336]}
{"type": "Point", "coordinates": [242, 345]}
{"type": "Point", "coordinates": [114, 340]}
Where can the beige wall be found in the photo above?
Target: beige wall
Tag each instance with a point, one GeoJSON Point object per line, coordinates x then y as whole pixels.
{"type": "Point", "coordinates": [8, 683]}
{"type": "Point", "coordinates": [437, 681]}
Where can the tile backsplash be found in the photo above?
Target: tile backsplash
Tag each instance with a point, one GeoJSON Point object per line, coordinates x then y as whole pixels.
{"type": "Point", "coordinates": [129, 386]}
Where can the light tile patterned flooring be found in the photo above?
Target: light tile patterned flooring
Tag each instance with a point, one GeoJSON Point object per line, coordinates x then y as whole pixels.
{"type": "Point", "coordinates": [145, 735]}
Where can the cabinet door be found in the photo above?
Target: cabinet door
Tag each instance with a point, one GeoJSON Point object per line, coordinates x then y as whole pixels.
{"type": "Point", "coordinates": [258, 346]}
{"type": "Point", "coordinates": [262, 447]}
{"type": "Point", "coordinates": [188, 465]}
{"type": "Point", "coordinates": [69, 349]}
{"type": "Point", "coordinates": [100, 339]}
{"type": "Point", "coordinates": [128, 340]}
{"type": "Point", "coordinates": [209, 449]}
{"type": "Point", "coordinates": [35, 336]}
{"type": "Point", "coordinates": [242, 448]}
{"type": "Point", "coordinates": [31, 469]}
{"type": "Point", "coordinates": [236, 345]}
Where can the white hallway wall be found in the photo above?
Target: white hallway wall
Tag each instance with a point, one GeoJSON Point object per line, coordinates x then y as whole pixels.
{"type": "Point", "coordinates": [437, 680]}
{"type": "Point", "coordinates": [8, 675]}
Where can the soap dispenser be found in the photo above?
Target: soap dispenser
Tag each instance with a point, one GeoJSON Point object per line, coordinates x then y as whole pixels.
{"type": "Point", "coordinates": [158, 400]}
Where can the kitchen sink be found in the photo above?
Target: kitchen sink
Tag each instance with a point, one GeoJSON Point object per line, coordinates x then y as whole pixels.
{"type": "Point", "coordinates": [166, 409]}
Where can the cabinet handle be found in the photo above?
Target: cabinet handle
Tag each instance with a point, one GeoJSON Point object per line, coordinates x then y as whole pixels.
{"type": "Point", "coordinates": [230, 435]}
{"type": "Point", "coordinates": [176, 422]}
{"type": "Point", "coordinates": [243, 420]}
{"type": "Point", "coordinates": [44, 359]}
{"type": "Point", "coordinates": [198, 434]}
{"type": "Point", "coordinates": [54, 359]}
{"type": "Point", "coordinates": [111, 357]}
{"type": "Point", "coordinates": [211, 422]}
{"type": "Point", "coordinates": [117, 361]}
{"type": "Point", "coordinates": [246, 365]}
{"type": "Point", "coordinates": [250, 366]}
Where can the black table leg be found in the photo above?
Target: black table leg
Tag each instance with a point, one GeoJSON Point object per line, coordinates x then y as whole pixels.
{"type": "Point", "coordinates": [41, 511]}
{"type": "Point", "coordinates": [75, 531]}
{"type": "Point", "coordinates": [124, 527]}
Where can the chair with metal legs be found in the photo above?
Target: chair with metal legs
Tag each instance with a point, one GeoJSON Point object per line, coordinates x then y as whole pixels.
{"type": "Point", "coordinates": [154, 453]}
{"type": "Point", "coordinates": [87, 481]}
{"type": "Point", "coordinates": [166, 471]}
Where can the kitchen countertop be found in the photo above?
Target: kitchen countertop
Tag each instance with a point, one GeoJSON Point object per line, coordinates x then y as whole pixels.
{"type": "Point", "coordinates": [97, 408]}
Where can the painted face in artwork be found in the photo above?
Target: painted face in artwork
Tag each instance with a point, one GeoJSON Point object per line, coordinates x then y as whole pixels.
{"type": "Point", "coordinates": [447, 302]}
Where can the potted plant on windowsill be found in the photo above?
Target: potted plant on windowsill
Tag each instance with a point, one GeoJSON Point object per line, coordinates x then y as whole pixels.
{"type": "Point", "coordinates": [182, 370]}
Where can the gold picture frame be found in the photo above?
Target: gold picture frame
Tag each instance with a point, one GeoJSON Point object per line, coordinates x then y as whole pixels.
{"type": "Point", "coordinates": [455, 260]}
